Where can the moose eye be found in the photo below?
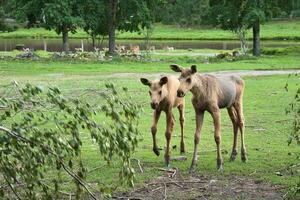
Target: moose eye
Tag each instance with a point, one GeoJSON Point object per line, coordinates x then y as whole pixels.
{"type": "Point", "coordinates": [159, 92]}
{"type": "Point", "coordinates": [189, 80]}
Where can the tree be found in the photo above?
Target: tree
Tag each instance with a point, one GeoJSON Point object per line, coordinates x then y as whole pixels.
{"type": "Point", "coordinates": [130, 15]}
{"type": "Point", "coordinates": [229, 15]}
{"type": "Point", "coordinates": [289, 8]}
{"type": "Point", "coordinates": [93, 13]}
{"type": "Point", "coordinates": [59, 15]}
{"type": "Point", "coordinates": [29, 11]}
{"type": "Point", "coordinates": [183, 12]}
{"type": "Point", "coordinates": [62, 16]}
{"type": "Point", "coordinates": [2, 18]}
{"type": "Point", "coordinates": [255, 15]}
{"type": "Point", "coordinates": [240, 15]}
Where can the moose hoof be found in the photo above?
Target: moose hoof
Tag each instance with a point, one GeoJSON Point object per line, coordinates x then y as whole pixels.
{"type": "Point", "coordinates": [220, 164]}
{"type": "Point", "coordinates": [220, 169]}
{"type": "Point", "coordinates": [244, 158]}
{"type": "Point", "coordinates": [156, 151]}
{"type": "Point", "coordinates": [192, 168]}
{"type": "Point", "coordinates": [182, 151]}
{"type": "Point", "coordinates": [233, 156]}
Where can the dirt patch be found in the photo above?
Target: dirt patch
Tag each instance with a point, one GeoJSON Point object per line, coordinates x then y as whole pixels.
{"type": "Point", "coordinates": [217, 73]}
{"type": "Point", "coordinates": [204, 187]}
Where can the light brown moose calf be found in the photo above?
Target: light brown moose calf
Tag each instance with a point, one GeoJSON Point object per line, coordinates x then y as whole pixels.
{"type": "Point", "coordinates": [211, 93]}
{"type": "Point", "coordinates": [163, 94]}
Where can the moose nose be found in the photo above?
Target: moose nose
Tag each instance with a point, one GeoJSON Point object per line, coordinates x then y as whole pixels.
{"type": "Point", "coordinates": [180, 93]}
{"type": "Point", "coordinates": [154, 105]}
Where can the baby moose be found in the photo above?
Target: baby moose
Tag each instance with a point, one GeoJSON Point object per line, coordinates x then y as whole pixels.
{"type": "Point", "coordinates": [211, 93]}
{"type": "Point", "coordinates": [163, 94]}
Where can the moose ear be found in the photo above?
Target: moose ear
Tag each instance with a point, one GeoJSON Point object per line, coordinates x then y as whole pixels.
{"type": "Point", "coordinates": [175, 68]}
{"type": "Point", "coordinates": [163, 81]}
{"type": "Point", "coordinates": [194, 69]}
{"type": "Point", "coordinates": [145, 81]}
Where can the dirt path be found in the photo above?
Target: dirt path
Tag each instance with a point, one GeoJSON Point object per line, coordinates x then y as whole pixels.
{"type": "Point", "coordinates": [204, 187]}
{"type": "Point", "coordinates": [231, 72]}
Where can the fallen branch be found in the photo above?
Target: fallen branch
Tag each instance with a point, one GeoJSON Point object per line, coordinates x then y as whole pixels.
{"type": "Point", "coordinates": [12, 188]}
{"type": "Point", "coordinates": [166, 170]}
{"type": "Point", "coordinates": [135, 198]}
{"type": "Point", "coordinates": [96, 168]}
{"type": "Point", "coordinates": [165, 197]}
{"type": "Point", "coordinates": [70, 172]}
{"type": "Point", "coordinates": [174, 182]}
{"type": "Point", "coordinates": [156, 189]}
{"type": "Point", "coordinates": [139, 164]}
{"type": "Point", "coordinates": [179, 158]}
{"type": "Point", "coordinates": [62, 192]}
{"type": "Point", "coordinates": [252, 173]}
{"type": "Point", "coordinates": [181, 186]}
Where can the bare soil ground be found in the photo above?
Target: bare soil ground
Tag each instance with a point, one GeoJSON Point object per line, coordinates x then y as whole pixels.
{"type": "Point", "coordinates": [217, 73]}
{"type": "Point", "coordinates": [204, 187]}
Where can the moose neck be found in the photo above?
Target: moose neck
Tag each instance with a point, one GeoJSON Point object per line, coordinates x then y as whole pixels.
{"type": "Point", "coordinates": [164, 92]}
{"type": "Point", "coordinates": [199, 87]}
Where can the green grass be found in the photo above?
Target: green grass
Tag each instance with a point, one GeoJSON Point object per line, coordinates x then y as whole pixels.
{"type": "Point", "coordinates": [25, 67]}
{"type": "Point", "coordinates": [267, 129]}
{"type": "Point", "coordinates": [267, 126]}
{"type": "Point", "coordinates": [275, 30]}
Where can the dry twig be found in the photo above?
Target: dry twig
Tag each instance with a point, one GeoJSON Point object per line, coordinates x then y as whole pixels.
{"type": "Point", "coordinates": [139, 164]}
{"type": "Point", "coordinates": [165, 197]}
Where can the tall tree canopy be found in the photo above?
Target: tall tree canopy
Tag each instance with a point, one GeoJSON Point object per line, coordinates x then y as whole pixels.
{"type": "Point", "coordinates": [2, 17]}
{"type": "Point", "coordinates": [93, 13]}
{"type": "Point", "coordinates": [183, 12]}
{"type": "Point", "coordinates": [240, 15]}
{"type": "Point", "coordinates": [59, 15]}
{"type": "Point", "coordinates": [29, 11]}
{"type": "Point", "coordinates": [62, 16]}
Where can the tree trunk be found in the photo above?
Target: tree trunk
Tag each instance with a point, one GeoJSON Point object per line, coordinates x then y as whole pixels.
{"type": "Point", "coordinates": [256, 38]}
{"type": "Point", "coordinates": [112, 12]}
{"type": "Point", "coordinates": [242, 37]}
{"type": "Point", "coordinates": [93, 41]}
{"type": "Point", "coordinates": [65, 34]}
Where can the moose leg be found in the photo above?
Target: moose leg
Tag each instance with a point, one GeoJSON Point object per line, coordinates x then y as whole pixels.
{"type": "Point", "coordinates": [217, 123]}
{"type": "Point", "coordinates": [240, 115]}
{"type": "Point", "coordinates": [156, 116]}
{"type": "Point", "coordinates": [234, 120]}
{"type": "Point", "coordinates": [181, 119]}
{"type": "Point", "coordinates": [169, 129]}
{"type": "Point", "coordinates": [199, 122]}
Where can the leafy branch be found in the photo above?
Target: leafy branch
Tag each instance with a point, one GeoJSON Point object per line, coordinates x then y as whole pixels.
{"type": "Point", "coordinates": [42, 131]}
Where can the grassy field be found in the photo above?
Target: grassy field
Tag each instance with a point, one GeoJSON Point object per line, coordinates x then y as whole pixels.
{"type": "Point", "coordinates": [159, 64]}
{"type": "Point", "coordinates": [277, 30]}
{"type": "Point", "coordinates": [267, 126]}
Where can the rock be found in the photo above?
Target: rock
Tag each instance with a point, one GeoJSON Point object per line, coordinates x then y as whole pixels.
{"type": "Point", "coordinates": [27, 55]}
{"type": "Point", "coordinates": [56, 55]}
{"type": "Point", "coordinates": [235, 54]}
{"type": "Point", "coordinates": [20, 47]}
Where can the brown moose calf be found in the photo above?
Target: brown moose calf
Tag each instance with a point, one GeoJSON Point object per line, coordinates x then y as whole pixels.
{"type": "Point", "coordinates": [163, 94]}
{"type": "Point", "coordinates": [211, 93]}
